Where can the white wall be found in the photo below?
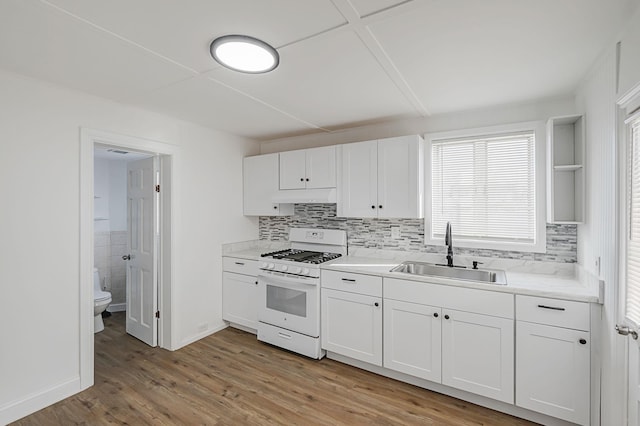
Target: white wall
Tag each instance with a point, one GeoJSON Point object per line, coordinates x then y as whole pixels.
{"type": "Point", "coordinates": [540, 110]}
{"type": "Point", "coordinates": [597, 237]}
{"type": "Point", "coordinates": [101, 190]}
{"type": "Point", "coordinates": [39, 229]}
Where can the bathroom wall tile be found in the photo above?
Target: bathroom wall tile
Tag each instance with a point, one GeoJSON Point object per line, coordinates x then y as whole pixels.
{"type": "Point", "coordinates": [102, 239]}
{"type": "Point", "coordinates": [376, 234]}
{"type": "Point", "coordinates": [118, 250]}
{"type": "Point", "coordinates": [119, 238]}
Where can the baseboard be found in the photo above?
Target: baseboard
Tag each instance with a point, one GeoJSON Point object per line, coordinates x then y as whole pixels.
{"type": "Point", "coordinates": [199, 336]}
{"type": "Point", "coordinates": [38, 400]}
{"type": "Point", "coordinates": [117, 307]}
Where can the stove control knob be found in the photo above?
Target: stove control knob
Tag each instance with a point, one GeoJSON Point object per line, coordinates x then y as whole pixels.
{"type": "Point", "coordinates": [305, 271]}
{"type": "Point", "coordinates": [283, 268]}
{"type": "Point", "coordinates": [264, 265]}
{"type": "Point", "coordinates": [270, 266]}
{"type": "Point", "coordinates": [296, 270]}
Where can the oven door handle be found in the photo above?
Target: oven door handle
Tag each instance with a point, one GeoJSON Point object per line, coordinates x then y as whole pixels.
{"type": "Point", "coordinates": [286, 281]}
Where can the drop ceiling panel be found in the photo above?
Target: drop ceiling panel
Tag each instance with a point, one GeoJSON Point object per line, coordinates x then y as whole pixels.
{"type": "Point", "coordinates": [212, 105]}
{"type": "Point", "coordinates": [329, 80]}
{"type": "Point", "coordinates": [367, 7]}
{"type": "Point", "coordinates": [183, 30]}
{"type": "Point", "coordinates": [49, 45]}
{"type": "Point", "coordinates": [510, 52]}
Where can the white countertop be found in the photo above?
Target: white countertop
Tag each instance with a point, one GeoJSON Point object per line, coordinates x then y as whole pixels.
{"type": "Point", "coordinates": [578, 286]}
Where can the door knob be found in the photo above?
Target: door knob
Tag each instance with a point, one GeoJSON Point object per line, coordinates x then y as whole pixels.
{"type": "Point", "coordinates": [126, 257]}
{"type": "Point", "coordinates": [625, 331]}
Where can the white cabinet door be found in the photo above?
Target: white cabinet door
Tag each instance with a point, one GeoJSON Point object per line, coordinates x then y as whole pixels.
{"type": "Point", "coordinates": [412, 339]}
{"type": "Point", "coordinates": [321, 167]}
{"type": "Point", "coordinates": [478, 354]}
{"type": "Point", "coordinates": [260, 182]}
{"type": "Point", "coordinates": [358, 179]}
{"type": "Point", "coordinates": [553, 370]}
{"type": "Point", "coordinates": [292, 170]}
{"type": "Point", "coordinates": [352, 325]}
{"type": "Point", "coordinates": [240, 299]}
{"type": "Point", "coordinates": [400, 177]}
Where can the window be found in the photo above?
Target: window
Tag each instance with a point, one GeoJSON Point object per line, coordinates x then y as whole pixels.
{"type": "Point", "coordinates": [485, 184]}
{"type": "Point", "coordinates": [632, 258]}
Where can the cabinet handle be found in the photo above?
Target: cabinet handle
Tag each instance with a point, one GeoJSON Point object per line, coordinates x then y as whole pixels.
{"type": "Point", "coordinates": [376, 304]}
{"type": "Point", "coordinates": [582, 341]}
{"type": "Point", "coordinates": [301, 179]}
{"type": "Point", "coordinates": [555, 308]}
{"type": "Point", "coordinates": [373, 207]}
{"type": "Point", "coordinates": [307, 179]}
{"type": "Point", "coordinates": [256, 282]}
{"type": "Point", "coordinates": [240, 263]}
{"type": "Point", "coordinates": [349, 280]}
{"type": "Point", "coordinates": [275, 207]}
{"type": "Point", "coordinates": [446, 317]}
{"type": "Point", "coordinates": [380, 206]}
{"type": "Point", "coordinates": [435, 314]}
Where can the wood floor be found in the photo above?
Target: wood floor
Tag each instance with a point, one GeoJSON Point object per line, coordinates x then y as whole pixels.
{"type": "Point", "coordinates": [232, 379]}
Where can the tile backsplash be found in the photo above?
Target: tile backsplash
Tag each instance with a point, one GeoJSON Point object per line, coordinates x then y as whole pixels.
{"type": "Point", "coordinates": [376, 233]}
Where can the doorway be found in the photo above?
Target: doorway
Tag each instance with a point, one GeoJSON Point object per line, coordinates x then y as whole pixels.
{"type": "Point", "coordinates": [163, 156]}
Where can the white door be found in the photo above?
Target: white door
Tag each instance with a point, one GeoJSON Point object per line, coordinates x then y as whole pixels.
{"type": "Point", "coordinates": [352, 325]}
{"type": "Point", "coordinates": [358, 179]}
{"type": "Point", "coordinates": [400, 177]}
{"type": "Point", "coordinates": [553, 371]}
{"type": "Point", "coordinates": [142, 288]}
{"type": "Point", "coordinates": [321, 167]}
{"type": "Point", "coordinates": [412, 339]}
{"type": "Point", "coordinates": [292, 170]}
{"type": "Point", "coordinates": [478, 354]}
{"type": "Point", "coordinates": [240, 298]}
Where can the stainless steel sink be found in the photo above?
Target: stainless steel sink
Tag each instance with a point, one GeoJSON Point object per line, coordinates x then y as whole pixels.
{"type": "Point", "coordinates": [458, 273]}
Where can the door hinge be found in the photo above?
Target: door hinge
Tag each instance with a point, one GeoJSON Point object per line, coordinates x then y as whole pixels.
{"type": "Point", "coordinates": [157, 188]}
{"type": "Point", "coordinates": [157, 314]}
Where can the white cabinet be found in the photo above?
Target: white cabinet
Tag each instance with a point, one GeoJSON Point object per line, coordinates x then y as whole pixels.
{"type": "Point", "coordinates": [260, 183]}
{"type": "Point", "coordinates": [381, 178]}
{"type": "Point", "coordinates": [456, 336]}
{"type": "Point", "coordinates": [240, 296]}
{"type": "Point", "coordinates": [352, 316]}
{"type": "Point", "coordinates": [412, 339]}
{"type": "Point", "coordinates": [478, 354]}
{"type": "Point", "coordinates": [553, 362]}
{"type": "Point", "coordinates": [565, 169]}
{"type": "Point", "coordinates": [308, 168]}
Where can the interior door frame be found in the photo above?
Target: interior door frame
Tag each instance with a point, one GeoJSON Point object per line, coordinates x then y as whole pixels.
{"type": "Point", "coordinates": [168, 218]}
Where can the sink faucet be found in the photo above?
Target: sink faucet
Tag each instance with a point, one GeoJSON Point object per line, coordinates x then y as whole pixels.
{"type": "Point", "coordinates": [448, 241]}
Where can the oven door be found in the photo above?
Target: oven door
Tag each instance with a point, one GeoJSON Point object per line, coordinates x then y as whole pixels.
{"type": "Point", "coordinates": [290, 302]}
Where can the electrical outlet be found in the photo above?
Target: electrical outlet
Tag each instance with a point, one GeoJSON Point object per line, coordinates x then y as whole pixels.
{"type": "Point", "coordinates": [395, 232]}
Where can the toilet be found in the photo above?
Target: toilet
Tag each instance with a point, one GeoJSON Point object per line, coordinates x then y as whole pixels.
{"type": "Point", "coordinates": [101, 300]}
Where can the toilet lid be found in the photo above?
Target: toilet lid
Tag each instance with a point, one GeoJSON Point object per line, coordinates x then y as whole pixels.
{"type": "Point", "coordinates": [100, 295]}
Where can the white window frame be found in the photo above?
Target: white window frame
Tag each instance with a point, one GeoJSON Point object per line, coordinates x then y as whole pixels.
{"type": "Point", "coordinates": [539, 130]}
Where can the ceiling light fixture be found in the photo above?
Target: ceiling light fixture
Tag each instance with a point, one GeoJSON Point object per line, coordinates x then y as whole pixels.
{"type": "Point", "coordinates": [245, 54]}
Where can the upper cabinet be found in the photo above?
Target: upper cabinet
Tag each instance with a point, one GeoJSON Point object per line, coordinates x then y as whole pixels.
{"type": "Point", "coordinates": [260, 180]}
{"type": "Point", "coordinates": [381, 178]}
{"type": "Point", "coordinates": [565, 169]}
{"type": "Point", "coordinates": [308, 168]}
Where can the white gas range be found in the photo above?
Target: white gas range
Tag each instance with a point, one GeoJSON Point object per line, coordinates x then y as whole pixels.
{"type": "Point", "coordinates": [289, 288]}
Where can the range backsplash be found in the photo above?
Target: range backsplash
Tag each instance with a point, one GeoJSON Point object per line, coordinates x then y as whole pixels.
{"type": "Point", "coordinates": [376, 233]}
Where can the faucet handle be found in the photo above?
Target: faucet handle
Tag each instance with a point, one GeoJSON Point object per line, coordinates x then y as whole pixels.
{"type": "Point", "coordinates": [476, 263]}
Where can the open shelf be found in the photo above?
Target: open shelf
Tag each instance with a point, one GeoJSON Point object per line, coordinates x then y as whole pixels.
{"type": "Point", "coordinates": [565, 169]}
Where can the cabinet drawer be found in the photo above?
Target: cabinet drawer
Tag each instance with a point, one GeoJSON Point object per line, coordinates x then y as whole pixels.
{"type": "Point", "coordinates": [354, 283]}
{"type": "Point", "coordinates": [240, 266]}
{"type": "Point", "coordinates": [559, 313]}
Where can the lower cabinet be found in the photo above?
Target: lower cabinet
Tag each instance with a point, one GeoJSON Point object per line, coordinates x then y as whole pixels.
{"type": "Point", "coordinates": [412, 339]}
{"type": "Point", "coordinates": [352, 325]}
{"type": "Point", "coordinates": [478, 353]}
{"type": "Point", "coordinates": [240, 299]}
{"type": "Point", "coordinates": [553, 363]}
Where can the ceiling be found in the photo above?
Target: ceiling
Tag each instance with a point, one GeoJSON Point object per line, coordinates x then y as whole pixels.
{"type": "Point", "coordinates": [343, 63]}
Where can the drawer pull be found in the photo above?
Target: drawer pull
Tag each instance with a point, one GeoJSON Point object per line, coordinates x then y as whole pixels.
{"type": "Point", "coordinates": [555, 308]}
{"type": "Point", "coordinates": [284, 336]}
{"type": "Point", "coordinates": [349, 280]}
{"type": "Point", "coordinates": [240, 263]}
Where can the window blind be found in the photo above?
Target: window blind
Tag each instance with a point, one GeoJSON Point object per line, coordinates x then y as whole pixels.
{"type": "Point", "coordinates": [485, 186]}
{"type": "Point", "coordinates": [633, 217]}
